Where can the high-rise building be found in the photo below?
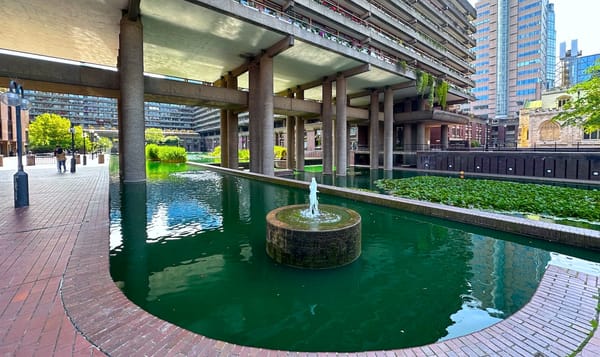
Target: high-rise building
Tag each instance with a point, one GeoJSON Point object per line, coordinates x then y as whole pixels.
{"type": "Point", "coordinates": [572, 67]}
{"type": "Point", "coordinates": [515, 48]}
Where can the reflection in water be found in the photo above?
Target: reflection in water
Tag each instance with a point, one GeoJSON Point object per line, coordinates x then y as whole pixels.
{"type": "Point", "coordinates": [418, 279]}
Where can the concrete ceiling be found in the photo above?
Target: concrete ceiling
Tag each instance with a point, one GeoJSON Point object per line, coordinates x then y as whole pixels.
{"type": "Point", "coordinates": [181, 39]}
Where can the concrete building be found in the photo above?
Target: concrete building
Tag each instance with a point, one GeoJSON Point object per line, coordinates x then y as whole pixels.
{"type": "Point", "coordinates": [572, 66]}
{"type": "Point", "coordinates": [388, 68]}
{"type": "Point", "coordinates": [515, 52]}
{"type": "Point", "coordinates": [101, 114]}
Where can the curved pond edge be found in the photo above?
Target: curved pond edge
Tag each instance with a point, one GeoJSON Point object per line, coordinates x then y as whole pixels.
{"type": "Point", "coordinates": [555, 322]}
{"type": "Point", "coordinates": [552, 232]}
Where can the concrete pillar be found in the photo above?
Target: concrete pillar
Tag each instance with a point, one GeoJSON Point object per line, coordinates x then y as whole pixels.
{"type": "Point", "coordinates": [444, 136]}
{"type": "Point", "coordinates": [421, 143]}
{"type": "Point", "coordinates": [266, 102]}
{"type": "Point", "coordinates": [131, 102]}
{"type": "Point", "coordinates": [341, 127]}
{"type": "Point", "coordinates": [327, 130]}
{"type": "Point", "coordinates": [388, 129]}
{"type": "Point", "coordinates": [223, 138]}
{"type": "Point", "coordinates": [232, 130]}
{"type": "Point", "coordinates": [374, 130]}
{"type": "Point", "coordinates": [254, 118]}
{"type": "Point", "coordinates": [290, 126]}
{"type": "Point", "coordinates": [300, 138]}
{"type": "Point", "coordinates": [408, 144]}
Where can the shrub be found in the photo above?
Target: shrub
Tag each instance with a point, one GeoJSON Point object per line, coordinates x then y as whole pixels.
{"type": "Point", "coordinates": [171, 154]}
{"type": "Point", "coordinates": [165, 153]}
{"type": "Point", "coordinates": [152, 152]}
{"type": "Point", "coordinates": [280, 152]}
{"type": "Point", "coordinates": [244, 155]}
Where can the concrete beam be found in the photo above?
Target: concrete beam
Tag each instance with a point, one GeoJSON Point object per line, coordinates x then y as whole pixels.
{"type": "Point", "coordinates": [61, 77]}
{"type": "Point", "coordinates": [36, 74]}
{"type": "Point", "coordinates": [330, 78]}
{"type": "Point", "coordinates": [272, 51]}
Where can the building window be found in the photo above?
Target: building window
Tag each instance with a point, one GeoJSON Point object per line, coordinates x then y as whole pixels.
{"type": "Point", "coordinates": [594, 135]}
{"type": "Point", "coordinates": [562, 100]}
{"type": "Point", "coordinates": [549, 131]}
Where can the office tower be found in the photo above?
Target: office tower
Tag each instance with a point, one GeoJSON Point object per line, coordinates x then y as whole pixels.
{"type": "Point", "coordinates": [515, 49]}
{"type": "Point", "coordinates": [572, 67]}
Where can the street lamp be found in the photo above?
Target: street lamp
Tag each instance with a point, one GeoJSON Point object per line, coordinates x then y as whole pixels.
{"type": "Point", "coordinates": [14, 98]}
{"type": "Point", "coordinates": [92, 134]}
{"type": "Point", "coordinates": [73, 162]}
{"type": "Point", "coordinates": [84, 134]}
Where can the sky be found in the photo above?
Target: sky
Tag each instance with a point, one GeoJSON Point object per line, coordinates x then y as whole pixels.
{"type": "Point", "coordinates": [577, 20]}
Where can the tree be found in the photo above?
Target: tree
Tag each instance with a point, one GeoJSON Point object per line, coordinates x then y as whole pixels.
{"type": "Point", "coordinates": [154, 136]}
{"type": "Point", "coordinates": [48, 130]}
{"type": "Point", "coordinates": [585, 109]}
{"type": "Point", "coordinates": [171, 140]}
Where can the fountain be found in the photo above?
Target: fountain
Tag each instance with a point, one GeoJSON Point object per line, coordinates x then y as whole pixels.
{"type": "Point", "coordinates": [314, 237]}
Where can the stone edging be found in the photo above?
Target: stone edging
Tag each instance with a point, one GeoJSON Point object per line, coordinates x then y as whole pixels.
{"type": "Point", "coordinates": [554, 322]}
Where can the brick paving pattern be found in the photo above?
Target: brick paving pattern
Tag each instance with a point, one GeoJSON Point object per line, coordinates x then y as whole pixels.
{"type": "Point", "coordinates": [57, 297]}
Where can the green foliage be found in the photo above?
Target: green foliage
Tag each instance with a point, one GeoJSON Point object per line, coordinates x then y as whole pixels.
{"type": "Point", "coordinates": [103, 143]}
{"type": "Point", "coordinates": [475, 143]}
{"type": "Point", "coordinates": [216, 153]}
{"type": "Point", "coordinates": [504, 196]}
{"type": "Point", "coordinates": [438, 88]}
{"type": "Point", "coordinates": [165, 153]}
{"type": "Point", "coordinates": [244, 154]}
{"type": "Point", "coordinates": [585, 109]}
{"type": "Point", "coordinates": [152, 152]}
{"type": "Point", "coordinates": [442, 92]}
{"type": "Point", "coordinates": [171, 140]}
{"type": "Point", "coordinates": [402, 65]}
{"type": "Point", "coordinates": [171, 154]}
{"type": "Point", "coordinates": [48, 130]}
{"type": "Point", "coordinates": [154, 136]}
{"type": "Point", "coordinates": [280, 152]}
{"type": "Point", "coordinates": [423, 83]}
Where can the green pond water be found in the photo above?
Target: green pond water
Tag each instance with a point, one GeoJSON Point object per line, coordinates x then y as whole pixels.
{"type": "Point", "coordinates": [189, 247]}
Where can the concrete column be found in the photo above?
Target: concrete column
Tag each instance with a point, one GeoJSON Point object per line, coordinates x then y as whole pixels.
{"type": "Point", "coordinates": [444, 136]}
{"type": "Point", "coordinates": [374, 130]}
{"type": "Point", "coordinates": [131, 102]}
{"type": "Point", "coordinates": [223, 138]}
{"type": "Point", "coordinates": [300, 138]}
{"type": "Point", "coordinates": [254, 118]}
{"type": "Point", "coordinates": [341, 127]}
{"type": "Point", "coordinates": [232, 130]}
{"type": "Point", "coordinates": [327, 130]}
{"type": "Point", "coordinates": [388, 129]}
{"type": "Point", "coordinates": [290, 126]}
{"type": "Point", "coordinates": [266, 102]}
{"type": "Point", "coordinates": [421, 137]}
{"type": "Point", "coordinates": [408, 144]}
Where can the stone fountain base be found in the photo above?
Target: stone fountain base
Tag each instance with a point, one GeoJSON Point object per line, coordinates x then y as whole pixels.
{"type": "Point", "coordinates": [331, 240]}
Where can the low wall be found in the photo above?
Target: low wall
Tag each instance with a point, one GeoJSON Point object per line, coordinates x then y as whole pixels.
{"type": "Point", "coordinates": [575, 166]}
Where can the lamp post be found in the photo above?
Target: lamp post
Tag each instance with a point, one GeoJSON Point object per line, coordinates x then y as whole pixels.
{"type": "Point", "coordinates": [84, 154]}
{"type": "Point", "coordinates": [73, 161]}
{"type": "Point", "coordinates": [14, 98]}
{"type": "Point", "coordinates": [92, 142]}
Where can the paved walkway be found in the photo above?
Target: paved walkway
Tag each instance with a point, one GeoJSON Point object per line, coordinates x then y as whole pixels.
{"type": "Point", "coordinates": [57, 297]}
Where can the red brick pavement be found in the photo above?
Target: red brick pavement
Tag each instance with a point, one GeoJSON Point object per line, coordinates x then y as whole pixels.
{"type": "Point", "coordinates": [57, 297]}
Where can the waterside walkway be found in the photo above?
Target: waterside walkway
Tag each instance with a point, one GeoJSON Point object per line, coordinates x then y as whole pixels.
{"type": "Point", "coordinates": [57, 297]}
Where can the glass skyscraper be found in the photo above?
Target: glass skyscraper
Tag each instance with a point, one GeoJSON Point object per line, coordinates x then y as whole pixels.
{"type": "Point", "coordinates": [515, 57]}
{"type": "Point", "coordinates": [573, 66]}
